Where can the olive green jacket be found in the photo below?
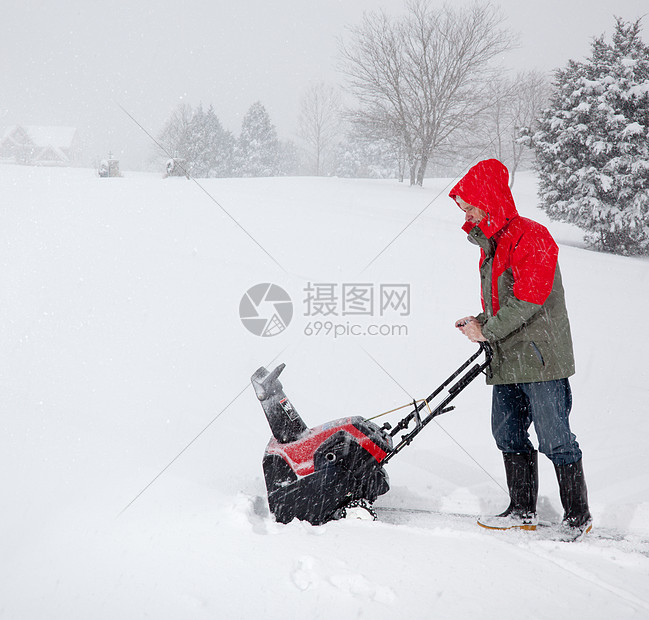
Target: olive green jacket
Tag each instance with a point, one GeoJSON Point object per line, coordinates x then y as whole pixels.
{"type": "Point", "coordinates": [531, 342]}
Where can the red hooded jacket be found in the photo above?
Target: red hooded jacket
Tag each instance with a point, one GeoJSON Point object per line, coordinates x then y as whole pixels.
{"type": "Point", "coordinates": [522, 244]}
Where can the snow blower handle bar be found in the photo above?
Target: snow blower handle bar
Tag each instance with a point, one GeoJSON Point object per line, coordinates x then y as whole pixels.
{"type": "Point", "coordinates": [443, 407]}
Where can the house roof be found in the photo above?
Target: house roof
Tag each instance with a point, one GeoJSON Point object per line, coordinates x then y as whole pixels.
{"type": "Point", "coordinates": [42, 136]}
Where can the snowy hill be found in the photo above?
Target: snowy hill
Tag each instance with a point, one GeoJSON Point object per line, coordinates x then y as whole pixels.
{"type": "Point", "coordinates": [131, 440]}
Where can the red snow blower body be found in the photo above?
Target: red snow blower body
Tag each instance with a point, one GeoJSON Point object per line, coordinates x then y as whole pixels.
{"type": "Point", "coordinates": [314, 474]}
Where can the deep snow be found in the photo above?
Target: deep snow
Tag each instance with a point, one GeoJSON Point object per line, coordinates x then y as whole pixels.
{"type": "Point", "coordinates": [131, 441]}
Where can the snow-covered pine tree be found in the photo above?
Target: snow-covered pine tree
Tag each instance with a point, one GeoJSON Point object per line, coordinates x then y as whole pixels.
{"type": "Point", "coordinates": [257, 150]}
{"type": "Point", "coordinates": [199, 141]}
{"type": "Point", "coordinates": [219, 146]}
{"type": "Point", "coordinates": [197, 146]}
{"type": "Point", "coordinates": [592, 145]}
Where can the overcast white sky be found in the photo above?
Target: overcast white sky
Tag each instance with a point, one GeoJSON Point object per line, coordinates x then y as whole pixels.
{"type": "Point", "coordinates": [66, 62]}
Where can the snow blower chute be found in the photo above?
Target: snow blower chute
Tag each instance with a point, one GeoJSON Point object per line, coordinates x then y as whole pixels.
{"type": "Point", "coordinates": [316, 474]}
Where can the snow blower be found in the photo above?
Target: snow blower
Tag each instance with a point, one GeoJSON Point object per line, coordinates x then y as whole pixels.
{"type": "Point", "coordinates": [319, 474]}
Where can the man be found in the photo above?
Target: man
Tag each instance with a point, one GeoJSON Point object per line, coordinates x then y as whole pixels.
{"type": "Point", "coordinates": [525, 321]}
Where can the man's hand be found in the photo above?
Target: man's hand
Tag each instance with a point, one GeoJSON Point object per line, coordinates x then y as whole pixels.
{"type": "Point", "coordinates": [471, 328]}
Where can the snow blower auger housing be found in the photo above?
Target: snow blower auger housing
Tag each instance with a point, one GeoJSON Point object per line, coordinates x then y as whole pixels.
{"type": "Point", "coordinates": [315, 474]}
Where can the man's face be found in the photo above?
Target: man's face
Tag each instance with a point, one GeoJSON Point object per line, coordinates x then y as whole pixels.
{"type": "Point", "coordinates": [471, 214]}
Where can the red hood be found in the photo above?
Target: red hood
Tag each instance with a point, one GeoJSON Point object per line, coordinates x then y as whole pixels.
{"type": "Point", "coordinates": [486, 186]}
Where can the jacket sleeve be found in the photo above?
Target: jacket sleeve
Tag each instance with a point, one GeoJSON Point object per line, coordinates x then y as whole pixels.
{"type": "Point", "coordinates": [512, 315]}
{"type": "Point", "coordinates": [533, 264]}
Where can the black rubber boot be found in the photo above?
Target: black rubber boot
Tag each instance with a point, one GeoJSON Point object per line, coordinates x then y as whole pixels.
{"type": "Point", "coordinates": [521, 469]}
{"type": "Point", "coordinates": [574, 496]}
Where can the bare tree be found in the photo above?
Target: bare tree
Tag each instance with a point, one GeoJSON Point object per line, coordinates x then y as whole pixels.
{"type": "Point", "coordinates": [175, 136]}
{"type": "Point", "coordinates": [319, 123]}
{"type": "Point", "coordinates": [516, 104]}
{"type": "Point", "coordinates": [533, 95]}
{"type": "Point", "coordinates": [424, 75]}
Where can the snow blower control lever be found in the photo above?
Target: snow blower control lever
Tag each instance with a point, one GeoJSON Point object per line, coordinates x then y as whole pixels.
{"type": "Point", "coordinates": [318, 474]}
{"type": "Point", "coordinates": [442, 407]}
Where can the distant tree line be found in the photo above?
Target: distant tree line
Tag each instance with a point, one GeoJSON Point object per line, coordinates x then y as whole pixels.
{"type": "Point", "coordinates": [422, 84]}
{"type": "Point", "coordinates": [204, 148]}
{"type": "Point", "coordinates": [423, 95]}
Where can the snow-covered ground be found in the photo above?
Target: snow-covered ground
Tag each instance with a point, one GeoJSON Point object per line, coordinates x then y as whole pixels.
{"type": "Point", "coordinates": [131, 440]}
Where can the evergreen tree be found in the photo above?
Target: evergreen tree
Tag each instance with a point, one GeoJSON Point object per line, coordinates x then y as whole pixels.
{"type": "Point", "coordinates": [199, 141]}
{"type": "Point", "coordinates": [219, 146]}
{"type": "Point", "coordinates": [257, 150]}
{"type": "Point", "coordinates": [592, 145]}
{"type": "Point", "coordinates": [197, 145]}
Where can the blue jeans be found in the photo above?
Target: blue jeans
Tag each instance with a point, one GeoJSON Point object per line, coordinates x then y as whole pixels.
{"type": "Point", "coordinates": [546, 403]}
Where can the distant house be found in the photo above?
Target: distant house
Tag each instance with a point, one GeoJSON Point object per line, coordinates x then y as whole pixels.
{"type": "Point", "coordinates": [39, 146]}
